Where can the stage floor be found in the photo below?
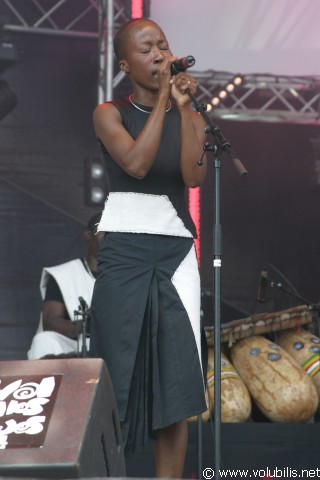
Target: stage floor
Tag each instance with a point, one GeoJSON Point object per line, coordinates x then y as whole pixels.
{"type": "Point", "coordinates": [252, 446]}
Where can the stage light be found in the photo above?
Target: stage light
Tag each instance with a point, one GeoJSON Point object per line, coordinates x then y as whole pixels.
{"type": "Point", "coordinates": [195, 212]}
{"type": "Point", "coordinates": [238, 80]}
{"type": "Point", "coordinates": [293, 92]}
{"type": "Point", "coordinates": [8, 99]}
{"type": "Point", "coordinates": [137, 8]}
{"type": "Point", "coordinates": [227, 90]}
{"type": "Point", "coordinates": [97, 195]}
{"type": "Point", "coordinates": [140, 8]}
{"type": "Point", "coordinates": [95, 182]}
{"type": "Point", "coordinates": [230, 87]}
{"type": "Point", "coordinates": [96, 170]}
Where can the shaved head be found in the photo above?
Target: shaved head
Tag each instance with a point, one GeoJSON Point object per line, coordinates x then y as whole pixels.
{"type": "Point", "coordinates": [123, 34]}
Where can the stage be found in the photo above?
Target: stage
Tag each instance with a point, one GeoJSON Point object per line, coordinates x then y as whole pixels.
{"type": "Point", "coordinates": [61, 421]}
{"type": "Point", "coordinates": [252, 446]}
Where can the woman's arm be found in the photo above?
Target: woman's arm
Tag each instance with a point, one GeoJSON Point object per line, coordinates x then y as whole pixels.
{"type": "Point", "coordinates": [135, 156]}
{"type": "Point", "coordinates": [192, 133]}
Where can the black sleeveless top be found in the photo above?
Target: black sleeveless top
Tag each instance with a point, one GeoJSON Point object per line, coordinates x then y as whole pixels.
{"type": "Point", "coordinates": [164, 177]}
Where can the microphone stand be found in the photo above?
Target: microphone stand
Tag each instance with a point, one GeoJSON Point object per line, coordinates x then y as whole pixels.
{"type": "Point", "coordinates": [313, 307]}
{"type": "Point", "coordinates": [220, 145]}
{"type": "Point", "coordinates": [85, 315]}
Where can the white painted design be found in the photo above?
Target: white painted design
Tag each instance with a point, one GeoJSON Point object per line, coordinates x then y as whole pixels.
{"type": "Point", "coordinates": [19, 400]}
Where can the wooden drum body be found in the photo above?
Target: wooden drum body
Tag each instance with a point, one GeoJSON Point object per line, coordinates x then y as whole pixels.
{"type": "Point", "coordinates": [277, 383]}
{"type": "Point", "coordinates": [235, 398]}
{"type": "Point", "coordinates": [304, 347]}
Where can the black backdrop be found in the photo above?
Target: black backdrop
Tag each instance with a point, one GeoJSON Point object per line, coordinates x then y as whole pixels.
{"type": "Point", "coordinates": [43, 144]}
{"type": "Point", "coordinates": [270, 216]}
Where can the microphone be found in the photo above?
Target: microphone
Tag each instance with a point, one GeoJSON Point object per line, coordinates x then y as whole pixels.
{"type": "Point", "coordinates": [83, 303]}
{"type": "Point", "coordinates": [261, 297]}
{"type": "Point", "coordinates": [182, 64]}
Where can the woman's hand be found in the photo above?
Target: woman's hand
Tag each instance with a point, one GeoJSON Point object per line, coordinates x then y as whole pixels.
{"type": "Point", "coordinates": [180, 84]}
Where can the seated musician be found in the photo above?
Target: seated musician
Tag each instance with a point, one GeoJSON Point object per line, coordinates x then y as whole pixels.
{"type": "Point", "coordinates": [61, 286]}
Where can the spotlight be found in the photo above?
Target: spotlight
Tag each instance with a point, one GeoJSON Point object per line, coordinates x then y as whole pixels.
{"type": "Point", "coordinates": [95, 182]}
{"type": "Point", "coordinates": [227, 89]}
{"type": "Point", "coordinates": [137, 9]}
{"type": "Point", "coordinates": [293, 92]}
{"type": "Point", "coordinates": [8, 99]}
{"type": "Point", "coordinates": [230, 87]}
{"type": "Point", "coordinates": [238, 80]}
{"type": "Point", "coordinates": [140, 8]}
{"type": "Point", "coordinates": [96, 170]}
{"type": "Point", "coordinates": [97, 196]}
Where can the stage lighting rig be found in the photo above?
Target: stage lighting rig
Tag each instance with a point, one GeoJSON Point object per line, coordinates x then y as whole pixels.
{"type": "Point", "coordinates": [227, 89]}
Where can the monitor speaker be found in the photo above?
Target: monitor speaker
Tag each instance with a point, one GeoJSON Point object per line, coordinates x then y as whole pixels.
{"type": "Point", "coordinates": [59, 419]}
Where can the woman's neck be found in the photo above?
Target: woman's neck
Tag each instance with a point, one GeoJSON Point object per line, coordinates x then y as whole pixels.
{"type": "Point", "coordinates": [146, 98]}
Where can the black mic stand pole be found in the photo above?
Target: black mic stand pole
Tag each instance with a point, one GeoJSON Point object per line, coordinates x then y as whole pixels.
{"type": "Point", "coordinates": [84, 350]}
{"type": "Point", "coordinates": [85, 315]}
{"type": "Point", "coordinates": [221, 145]}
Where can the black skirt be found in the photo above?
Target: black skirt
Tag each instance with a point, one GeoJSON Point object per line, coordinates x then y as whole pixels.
{"type": "Point", "coordinates": [146, 326]}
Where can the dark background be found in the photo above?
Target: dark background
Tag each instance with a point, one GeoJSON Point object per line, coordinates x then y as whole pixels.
{"type": "Point", "coordinates": [43, 145]}
{"type": "Point", "coordinates": [269, 216]}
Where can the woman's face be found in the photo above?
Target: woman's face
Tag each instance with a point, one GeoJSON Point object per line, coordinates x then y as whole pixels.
{"type": "Point", "coordinates": [146, 49]}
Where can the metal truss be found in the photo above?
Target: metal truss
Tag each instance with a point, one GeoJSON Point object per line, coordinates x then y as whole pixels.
{"type": "Point", "coordinates": [88, 19]}
{"type": "Point", "coordinates": [267, 98]}
{"type": "Point", "coordinates": [111, 15]}
{"type": "Point", "coordinates": [77, 18]}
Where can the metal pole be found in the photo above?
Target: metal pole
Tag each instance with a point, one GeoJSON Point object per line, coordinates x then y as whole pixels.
{"type": "Point", "coordinates": [109, 51]}
{"type": "Point", "coordinates": [101, 51]}
{"type": "Point", "coordinates": [106, 32]}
